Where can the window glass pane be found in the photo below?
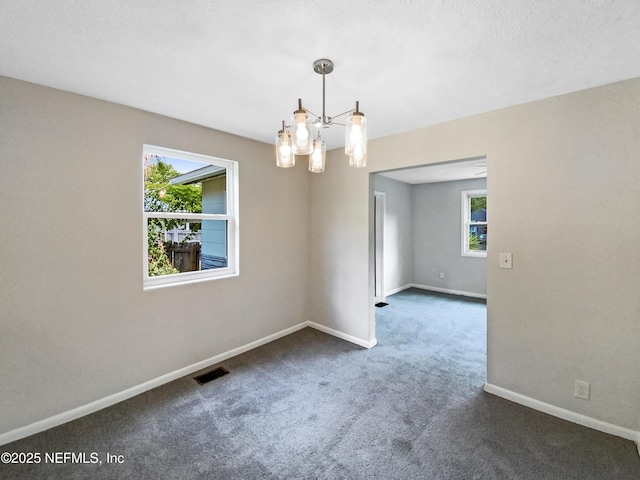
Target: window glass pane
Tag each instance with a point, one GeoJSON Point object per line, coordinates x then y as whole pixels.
{"type": "Point", "coordinates": [200, 195]}
{"type": "Point", "coordinates": [177, 185]}
{"type": "Point", "coordinates": [478, 237]}
{"type": "Point", "coordinates": [214, 244]}
{"type": "Point", "coordinates": [179, 245]}
{"type": "Point", "coordinates": [478, 210]}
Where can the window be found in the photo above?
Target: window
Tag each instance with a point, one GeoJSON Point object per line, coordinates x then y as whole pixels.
{"type": "Point", "coordinates": [190, 211]}
{"type": "Point", "coordinates": [474, 223]}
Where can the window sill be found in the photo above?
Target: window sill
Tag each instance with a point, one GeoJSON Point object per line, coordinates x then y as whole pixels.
{"type": "Point", "coordinates": [186, 281]}
{"type": "Point", "coordinates": [475, 255]}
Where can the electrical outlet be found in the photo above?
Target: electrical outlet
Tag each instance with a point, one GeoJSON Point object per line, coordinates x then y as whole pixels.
{"type": "Point", "coordinates": [441, 275]}
{"type": "Point", "coordinates": [581, 389]}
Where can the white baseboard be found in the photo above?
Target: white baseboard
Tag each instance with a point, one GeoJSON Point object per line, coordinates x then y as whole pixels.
{"type": "Point", "coordinates": [435, 289]}
{"type": "Point", "coordinates": [447, 290]}
{"type": "Point", "coordinates": [564, 414]}
{"type": "Point", "coordinates": [343, 336]}
{"type": "Point", "coordinates": [105, 402]}
{"type": "Point", "coordinates": [399, 289]}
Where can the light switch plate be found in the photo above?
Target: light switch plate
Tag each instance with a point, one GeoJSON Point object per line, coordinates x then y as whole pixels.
{"type": "Point", "coordinates": [506, 260]}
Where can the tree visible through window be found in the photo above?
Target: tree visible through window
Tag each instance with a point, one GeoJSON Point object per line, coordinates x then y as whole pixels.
{"type": "Point", "coordinates": [190, 205]}
{"type": "Point", "coordinates": [474, 223]}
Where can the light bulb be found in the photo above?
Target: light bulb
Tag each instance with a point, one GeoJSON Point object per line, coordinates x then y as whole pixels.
{"type": "Point", "coordinates": [285, 150]}
{"type": "Point", "coordinates": [356, 134]}
{"type": "Point", "coordinates": [358, 153]}
{"type": "Point", "coordinates": [317, 157]}
{"type": "Point", "coordinates": [284, 153]}
{"type": "Point", "coordinates": [302, 134]}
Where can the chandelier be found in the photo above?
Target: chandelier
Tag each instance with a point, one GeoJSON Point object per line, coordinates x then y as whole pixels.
{"type": "Point", "coordinates": [304, 135]}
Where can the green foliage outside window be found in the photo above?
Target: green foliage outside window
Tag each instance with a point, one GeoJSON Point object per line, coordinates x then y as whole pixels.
{"type": "Point", "coordinates": [474, 242]}
{"type": "Point", "coordinates": [160, 196]}
{"type": "Point", "coordinates": [478, 203]}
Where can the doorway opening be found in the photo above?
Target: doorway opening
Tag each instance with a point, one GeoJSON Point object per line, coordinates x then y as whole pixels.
{"type": "Point", "coordinates": [416, 228]}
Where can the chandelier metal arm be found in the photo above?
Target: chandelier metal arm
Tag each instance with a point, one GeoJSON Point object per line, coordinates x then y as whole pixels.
{"type": "Point", "coordinates": [344, 113]}
{"type": "Point", "coordinates": [317, 117]}
{"type": "Point", "coordinates": [328, 121]}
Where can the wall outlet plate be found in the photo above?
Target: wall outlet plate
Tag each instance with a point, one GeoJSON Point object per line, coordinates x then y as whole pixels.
{"type": "Point", "coordinates": [581, 389]}
{"type": "Point", "coordinates": [506, 260]}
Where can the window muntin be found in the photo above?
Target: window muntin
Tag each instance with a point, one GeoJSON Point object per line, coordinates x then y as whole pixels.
{"type": "Point", "coordinates": [190, 217]}
{"type": "Point", "coordinates": [474, 223]}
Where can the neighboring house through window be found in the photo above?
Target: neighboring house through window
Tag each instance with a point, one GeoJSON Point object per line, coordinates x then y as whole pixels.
{"type": "Point", "coordinates": [190, 217]}
{"type": "Point", "coordinates": [474, 223]}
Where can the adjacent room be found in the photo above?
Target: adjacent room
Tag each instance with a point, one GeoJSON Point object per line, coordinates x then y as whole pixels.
{"type": "Point", "coordinates": [187, 186]}
{"type": "Point", "coordinates": [432, 228]}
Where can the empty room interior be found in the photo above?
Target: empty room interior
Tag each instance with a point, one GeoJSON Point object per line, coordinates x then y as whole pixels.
{"type": "Point", "coordinates": [487, 190]}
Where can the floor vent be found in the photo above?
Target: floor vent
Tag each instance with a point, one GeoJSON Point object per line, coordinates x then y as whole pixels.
{"type": "Point", "coordinates": [211, 375]}
{"type": "Point", "coordinates": [381, 304]}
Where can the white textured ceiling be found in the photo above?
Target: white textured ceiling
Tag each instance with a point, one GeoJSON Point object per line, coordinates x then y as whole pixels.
{"type": "Point", "coordinates": [239, 66]}
{"type": "Point", "coordinates": [440, 172]}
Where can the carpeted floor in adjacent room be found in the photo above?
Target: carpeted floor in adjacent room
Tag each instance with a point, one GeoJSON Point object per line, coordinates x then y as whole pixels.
{"type": "Point", "coordinates": [311, 406]}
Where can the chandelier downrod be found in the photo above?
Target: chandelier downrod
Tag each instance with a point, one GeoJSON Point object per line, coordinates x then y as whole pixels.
{"type": "Point", "coordinates": [323, 67]}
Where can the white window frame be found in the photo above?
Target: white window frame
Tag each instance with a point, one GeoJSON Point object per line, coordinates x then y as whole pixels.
{"type": "Point", "coordinates": [231, 217]}
{"type": "Point", "coordinates": [467, 195]}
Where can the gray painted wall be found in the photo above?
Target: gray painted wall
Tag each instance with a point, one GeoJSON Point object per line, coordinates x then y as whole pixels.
{"type": "Point", "coordinates": [398, 242]}
{"type": "Point", "coordinates": [76, 324]}
{"type": "Point", "coordinates": [437, 240]}
{"type": "Point", "coordinates": [569, 308]}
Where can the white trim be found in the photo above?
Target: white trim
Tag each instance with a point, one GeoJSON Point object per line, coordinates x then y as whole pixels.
{"type": "Point", "coordinates": [435, 289]}
{"type": "Point", "coordinates": [192, 217]}
{"type": "Point", "coordinates": [343, 336]}
{"type": "Point", "coordinates": [231, 217]}
{"type": "Point", "coordinates": [379, 219]}
{"type": "Point", "coordinates": [181, 154]}
{"type": "Point", "coordinates": [92, 407]}
{"type": "Point", "coordinates": [105, 402]}
{"type": "Point", "coordinates": [177, 279]}
{"type": "Point", "coordinates": [447, 290]}
{"type": "Point", "coordinates": [467, 195]}
{"type": "Point", "coordinates": [564, 414]}
{"type": "Point", "coordinates": [399, 289]}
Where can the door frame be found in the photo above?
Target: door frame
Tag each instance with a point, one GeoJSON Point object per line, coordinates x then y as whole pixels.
{"type": "Point", "coordinates": [379, 218]}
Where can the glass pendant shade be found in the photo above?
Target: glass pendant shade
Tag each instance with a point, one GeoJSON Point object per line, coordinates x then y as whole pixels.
{"type": "Point", "coordinates": [284, 151]}
{"type": "Point", "coordinates": [302, 138]}
{"type": "Point", "coordinates": [303, 135]}
{"type": "Point", "coordinates": [317, 157]}
{"type": "Point", "coordinates": [358, 160]}
{"type": "Point", "coordinates": [356, 134]}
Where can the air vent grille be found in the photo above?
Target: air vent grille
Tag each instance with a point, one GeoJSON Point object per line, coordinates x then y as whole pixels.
{"type": "Point", "coordinates": [211, 375]}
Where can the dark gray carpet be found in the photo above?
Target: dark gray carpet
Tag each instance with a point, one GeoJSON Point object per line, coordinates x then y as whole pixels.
{"type": "Point", "coordinates": [312, 406]}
